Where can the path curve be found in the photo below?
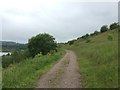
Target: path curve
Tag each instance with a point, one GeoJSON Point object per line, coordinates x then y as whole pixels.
{"type": "Point", "coordinates": [65, 74]}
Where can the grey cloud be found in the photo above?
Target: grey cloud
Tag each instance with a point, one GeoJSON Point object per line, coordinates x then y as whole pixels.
{"type": "Point", "coordinates": [65, 22]}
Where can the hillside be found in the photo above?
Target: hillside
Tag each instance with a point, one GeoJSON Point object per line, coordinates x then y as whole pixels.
{"type": "Point", "coordinates": [89, 62]}
{"type": "Point", "coordinates": [8, 46]}
{"type": "Point", "coordinates": [98, 59]}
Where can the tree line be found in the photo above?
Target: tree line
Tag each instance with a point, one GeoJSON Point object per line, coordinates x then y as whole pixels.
{"type": "Point", "coordinates": [103, 29]}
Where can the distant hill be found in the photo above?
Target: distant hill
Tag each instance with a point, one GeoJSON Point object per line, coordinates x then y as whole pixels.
{"type": "Point", "coordinates": [10, 46]}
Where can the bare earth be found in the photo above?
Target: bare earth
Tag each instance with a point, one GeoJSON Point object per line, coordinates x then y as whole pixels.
{"type": "Point", "coordinates": [65, 74]}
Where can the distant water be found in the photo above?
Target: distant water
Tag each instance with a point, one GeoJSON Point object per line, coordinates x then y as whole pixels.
{"type": "Point", "coordinates": [3, 53]}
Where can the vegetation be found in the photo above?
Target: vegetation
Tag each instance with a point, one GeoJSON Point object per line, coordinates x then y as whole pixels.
{"type": "Point", "coordinates": [42, 43]}
{"type": "Point", "coordinates": [114, 26]}
{"type": "Point", "coordinates": [104, 28]}
{"type": "Point", "coordinates": [20, 70]}
{"type": "Point", "coordinates": [98, 60]}
{"type": "Point", "coordinates": [14, 57]}
{"type": "Point", "coordinates": [97, 55]}
{"type": "Point", "coordinates": [26, 73]}
{"type": "Point", "coordinates": [71, 42]}
{"type": "Point", "coordinates": [12, 46]}
{"type": "Point", "coordinates": [95, 33]}
{"type": "Point", "coordinates": [85, 36]}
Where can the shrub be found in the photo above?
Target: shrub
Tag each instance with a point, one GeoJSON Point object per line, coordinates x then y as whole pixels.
{"type": "Point", "coordinates": [15, 57]}
{"type": "Point", "coordinates": [114, 26]}
{"type": "Point", "coordinates": [96, 32]}
{"type": "Point", "coordinates": [85, 36]}
{"type": "Point", "coordinates": [92, 34]}
{"type": "Point", "coordinates": [71, 42]}
{"type": "Point", "coordinates": [104, 28]}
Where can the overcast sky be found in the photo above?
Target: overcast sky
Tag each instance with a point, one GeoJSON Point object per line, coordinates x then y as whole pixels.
{"type": "Point", "coordinates": [64, 19]}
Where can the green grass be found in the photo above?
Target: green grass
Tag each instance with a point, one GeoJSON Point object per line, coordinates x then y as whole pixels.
{"type": "Point", "coordinates": [26, 73]}
{"type": "Point", "coordinates": [98, 60]}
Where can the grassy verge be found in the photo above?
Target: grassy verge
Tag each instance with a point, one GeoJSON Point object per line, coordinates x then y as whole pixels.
{"type": "Point", "coordinates": [26, 73]}
{"type": "Point", "coordinates": [98, 60]}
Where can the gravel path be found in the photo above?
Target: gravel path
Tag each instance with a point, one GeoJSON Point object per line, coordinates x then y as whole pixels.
{"type": "Point", "coordinates": [65, 74]}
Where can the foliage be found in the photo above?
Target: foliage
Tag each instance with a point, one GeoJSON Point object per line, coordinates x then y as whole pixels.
{"type": "Point", "coordinates": [71, 42]}
{"type": "Point", "coordinates": [92, 34]}
{"type": "Point", "coordinates": [15, 57]}
{"type": "Point", "coordinates": [26, 73]}
{"type": "Point", "coordinates": [85, 36]}
{"type": "Point", "coordinates": [43, 43]}
{"type": "Point", "coordinates": [114, 26]}
{"type": "Point", "coordinates": [96, 32]}
{"type": "Point", "coordinates": [104, 28]}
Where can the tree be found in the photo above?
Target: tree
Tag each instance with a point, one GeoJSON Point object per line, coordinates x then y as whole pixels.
{"type": "Point", "coordinates": [104, 28]}
{"type": "Point", "coordinates": [71, 42]}
{"type": "Point", "coordinates": [96, 32]}
{"type": "Point", "coordinates": [41, 43]}
{"type": "Point", "coordinates": [85, 36]}
{"type": "Point", "coordinates": [114, 26]}
{"type": "Point", "coordinates": [91, 34]}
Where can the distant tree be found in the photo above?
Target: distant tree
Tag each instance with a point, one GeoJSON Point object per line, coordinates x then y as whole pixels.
{"type": "Point", "coordinates": [114, 26]}
{"type": "Point", "coordinates": [104, 28]}
{"type": "Point", "coordinates": [91, 34]}
{"type": "Point", "coordinates": [95, 32]}
{"type": "Point", "coordinates": [78, 38]}
{"type": "Point", "coordinates": [42, 43]}
{"type": "Point", "coordinates": [83, 37]}
{"type": "Point", "coordinates": [87, 35]}
{"type": "Point", "coordinates": [71, 42]}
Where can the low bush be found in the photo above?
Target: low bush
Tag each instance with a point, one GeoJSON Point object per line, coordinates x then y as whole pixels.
{"type": "Point", "coordinates": [15, 57]}
{"type": "Point", "coordinates": [104, 28]}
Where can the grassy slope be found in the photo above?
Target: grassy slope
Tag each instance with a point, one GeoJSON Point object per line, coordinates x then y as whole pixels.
{"type": "Point", "coordinates": [98, 60]}
{"type": "Point", "coordinates": [26, 73]}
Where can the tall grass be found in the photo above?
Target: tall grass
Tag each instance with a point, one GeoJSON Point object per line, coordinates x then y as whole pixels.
{"type": "Point", "coordinates": [98, 60]}
{"type": "Point", "coordinates": [26, 73]}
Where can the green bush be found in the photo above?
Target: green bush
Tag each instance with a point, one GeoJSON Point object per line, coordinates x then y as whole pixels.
{"type": "Point", "coordinates": [15, 57]}
{"type": "Point", "coordinates": [104, 28]}
{"type": "Point", "coordinates": [96, 32]}
{"type": "Point", "coordinates": [43, 43]}
{"type": "Point", "coordinates": [85, 36]}
{"type": "Point", "coordinates": [114, 26]}
{"type": "Point", "coordinates": [71, 42]}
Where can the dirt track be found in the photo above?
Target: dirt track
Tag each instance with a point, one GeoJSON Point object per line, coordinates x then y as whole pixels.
{"type": "Point", "coordinates": [65, 74]}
